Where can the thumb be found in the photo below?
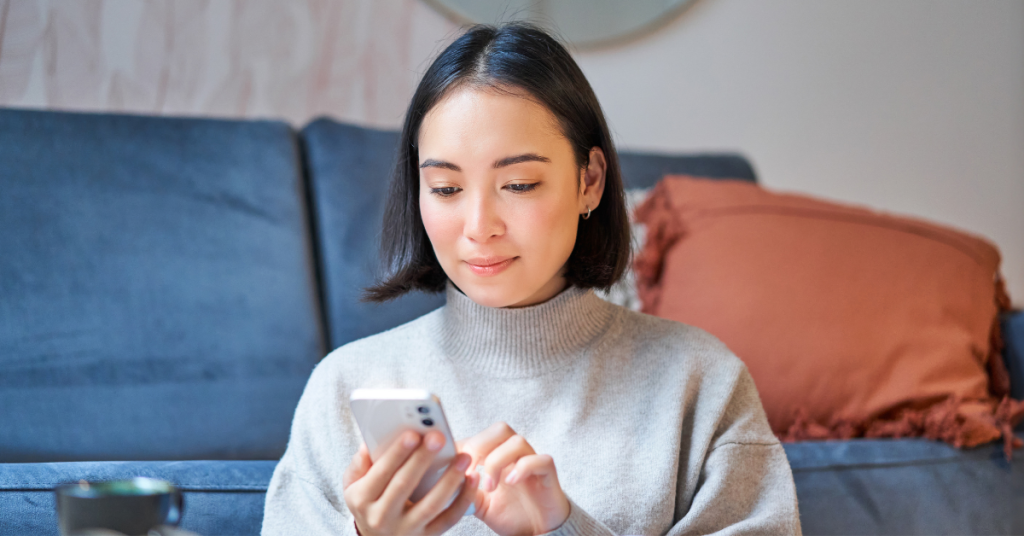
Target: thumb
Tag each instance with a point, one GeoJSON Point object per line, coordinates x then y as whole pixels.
{"type": "Point", "coordinates": [358, 467]}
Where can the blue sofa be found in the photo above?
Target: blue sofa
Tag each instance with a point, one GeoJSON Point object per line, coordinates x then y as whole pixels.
{"type": "Point", "coordinates": [167, 285]}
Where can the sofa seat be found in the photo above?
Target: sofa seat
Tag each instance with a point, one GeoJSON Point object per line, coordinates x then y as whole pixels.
{"type": "Point", "coordinates": [222, 497]}
{"type": "Point", "coordinates": [906, 486]}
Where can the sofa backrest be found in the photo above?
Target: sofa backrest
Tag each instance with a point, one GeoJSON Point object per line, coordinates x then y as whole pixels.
{"type": "Point", "coordinates": [157, 287]}
{"type": "Point", "coordinates": [349, 168]}
{"type": "Point", "coordinates": [643, 169]}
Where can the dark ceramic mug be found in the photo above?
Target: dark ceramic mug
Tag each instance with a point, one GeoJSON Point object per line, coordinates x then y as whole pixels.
{"type": "Point", "coordinates": [128, 506]}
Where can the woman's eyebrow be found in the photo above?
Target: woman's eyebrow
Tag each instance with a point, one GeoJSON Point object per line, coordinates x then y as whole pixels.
{"type": "Point", "coordinates": [528, 157]}
{"type": "Point", "coordinates": [507, 161]}
{"type": "Point", "coordinates": [430, 162]}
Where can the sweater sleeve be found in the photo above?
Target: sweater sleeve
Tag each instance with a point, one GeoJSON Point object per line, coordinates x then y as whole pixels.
{"type": "Point", "coordinates": [744, 484]}
{"type": "Point", "coordinates": [297, 507]}
{"type": "Point", "coordinates": [580, 523]}
{"type": "Point", "coordinates": [305, 495]}
{"type": "Point", "coordinates": [740, 482]}
{"type": "Point", "coordinates": [744, 489]}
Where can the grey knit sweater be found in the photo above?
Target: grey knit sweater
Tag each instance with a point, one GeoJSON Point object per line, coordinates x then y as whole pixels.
{"type": "Point", "coordinates": [654, 426]}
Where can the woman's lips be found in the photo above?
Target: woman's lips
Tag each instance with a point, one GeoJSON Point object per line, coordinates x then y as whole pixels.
{"type": "Point", "coordinates": [490, 265]}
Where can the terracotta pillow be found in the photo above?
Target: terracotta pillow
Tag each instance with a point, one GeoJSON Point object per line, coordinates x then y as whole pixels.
{"type": "Point", "coordinates": [852, 323]}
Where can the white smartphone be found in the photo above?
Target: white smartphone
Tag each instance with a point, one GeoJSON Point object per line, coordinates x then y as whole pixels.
{"type": "Point", "coordinates": [383, 414]}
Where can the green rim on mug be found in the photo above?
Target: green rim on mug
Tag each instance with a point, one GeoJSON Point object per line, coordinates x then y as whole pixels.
{"type": "Point", "coordinates": [138, 486]}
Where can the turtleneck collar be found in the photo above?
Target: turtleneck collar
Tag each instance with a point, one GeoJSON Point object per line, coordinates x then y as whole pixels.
{"type": "Point", "coordinates": [522, 342]}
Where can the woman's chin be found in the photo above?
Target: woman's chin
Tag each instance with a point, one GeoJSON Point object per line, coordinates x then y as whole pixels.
{"type": "Point", "coordinates": [508, 293]}
{"type": "Point", "coordinates": [510, 288]}
{"type": "Point", "coordinates": [493, 295]}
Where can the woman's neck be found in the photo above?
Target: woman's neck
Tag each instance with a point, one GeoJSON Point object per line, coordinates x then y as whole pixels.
{"type": "Point", "coordinates": [552, 288]}
{"type": "Point", "coordinates": [523, 341]}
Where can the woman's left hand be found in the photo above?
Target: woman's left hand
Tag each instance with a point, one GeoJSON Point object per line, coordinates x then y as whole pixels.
{"type": "Point", "coordinates": [519, 491]}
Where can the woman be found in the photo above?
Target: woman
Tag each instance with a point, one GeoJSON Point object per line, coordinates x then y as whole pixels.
{"type": "Point", "coordinates": [581, 417]}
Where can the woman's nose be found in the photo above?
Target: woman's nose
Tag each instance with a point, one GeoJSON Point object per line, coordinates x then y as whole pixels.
{"type": "Point", "coordinates": [482, 219]}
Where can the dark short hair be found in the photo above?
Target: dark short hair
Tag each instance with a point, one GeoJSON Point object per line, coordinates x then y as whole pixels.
{"type": "Point", "coordinates": [515, 57]}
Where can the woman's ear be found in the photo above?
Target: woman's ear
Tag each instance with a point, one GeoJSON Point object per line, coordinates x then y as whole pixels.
{"type": "Point", "coordinates": [592, 180]}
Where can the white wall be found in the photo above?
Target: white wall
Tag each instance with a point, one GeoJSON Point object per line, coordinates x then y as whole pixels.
{"type": "Point", "coordinates": [358, 60]}
{"type": "Point", "coordinates": [911, 106]}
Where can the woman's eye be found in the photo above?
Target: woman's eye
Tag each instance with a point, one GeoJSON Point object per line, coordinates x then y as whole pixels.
{"type": "Point", "coordinates": [447, 191]}
{"type": "Point", "coordinates": [520, 188]}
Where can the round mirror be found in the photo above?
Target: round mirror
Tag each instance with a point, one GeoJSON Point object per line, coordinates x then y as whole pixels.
{"type": "Point", "coordinates": [583, 23]}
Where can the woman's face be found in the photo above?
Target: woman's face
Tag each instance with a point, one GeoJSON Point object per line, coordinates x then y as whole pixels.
{"type": "Point", "coordinates": [501, 195]}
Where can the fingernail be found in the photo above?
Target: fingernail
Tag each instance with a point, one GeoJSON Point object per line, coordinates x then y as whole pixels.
{"type": "Point", "coordinates": [486, 482]}
{"type": "Point", "coordinates": [435, 443]}
{"type": "Point", "coordinates": [511, 478]}
{"type": "Point", "coordinates": [462, 463]}
{"type": "Point", "coordinates": [410, 440]}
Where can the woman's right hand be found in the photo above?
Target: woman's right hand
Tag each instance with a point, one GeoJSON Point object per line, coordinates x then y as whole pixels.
{"type": "Point", "coordinates": [378, 493]}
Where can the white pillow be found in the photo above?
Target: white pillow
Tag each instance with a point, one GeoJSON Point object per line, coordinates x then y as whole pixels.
{"type": "Point", "coordinates": [624, 292]}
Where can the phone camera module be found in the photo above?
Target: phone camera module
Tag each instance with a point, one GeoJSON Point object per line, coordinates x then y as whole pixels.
{"type": "Point", "coordinates": [428, 422]}
{"type": "Point", "coordinates": [423, 409]}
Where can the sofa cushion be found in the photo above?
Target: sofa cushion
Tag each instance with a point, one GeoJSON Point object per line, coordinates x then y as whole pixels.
{"type": "Point", "coordinates": [906, 486]}
{"type": "Point", "coordinates": [1013, 351]}
{"type": "Point", "coordinates": [159, 295]}
{"type": "Point", "coordinates": [349, 169]}
{"type": "Point", "coordinates": [644, 169]}
{"type": "Point", "coordinates": [851, 322]}
{"type": "Point", "coordinates": [221, 497]}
